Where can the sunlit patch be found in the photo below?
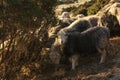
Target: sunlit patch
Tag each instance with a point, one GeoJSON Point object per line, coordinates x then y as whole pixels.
{"type": "Point", "coordinates": [115, 38]}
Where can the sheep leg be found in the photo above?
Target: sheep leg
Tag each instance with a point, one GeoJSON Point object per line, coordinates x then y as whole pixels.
{"type": "Point", "coordinates": [103, 55]}
{"type": "Point", "coordinates": [74, 60]}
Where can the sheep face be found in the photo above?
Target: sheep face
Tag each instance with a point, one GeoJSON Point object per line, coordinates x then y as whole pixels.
{"type": "Point", "coordinates": [55, 54]}
{"type": "Point", "coordinates": [62, 39]}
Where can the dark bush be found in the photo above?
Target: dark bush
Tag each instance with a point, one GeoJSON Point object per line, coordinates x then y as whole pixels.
{"type": "Point", "coordinates": [23, 27]}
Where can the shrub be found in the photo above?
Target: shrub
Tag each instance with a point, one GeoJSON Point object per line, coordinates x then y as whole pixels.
{"type": "Point", "coordinates": [91, 7]}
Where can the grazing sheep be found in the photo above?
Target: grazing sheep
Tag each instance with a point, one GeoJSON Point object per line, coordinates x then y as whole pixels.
{"type": "Point", "coordinates": [78, 25]}
{"type": "Point", "coordinates": [56, 52]}
{"type": "Point", "coordinates": [64, 21]}
{"type": "Point", "coordinates": [91, 40]}
{"type": "Point", "coordinates": [93, 19]}
{"type": "Point", "coordinates": [111, 22]}
{"type": "Point", "coordinates": [53, 31]}
{"type": "Point", "coordinates": [111, 19]}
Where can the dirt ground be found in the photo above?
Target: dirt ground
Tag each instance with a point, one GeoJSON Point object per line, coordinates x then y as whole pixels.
{"type": "Point", "coordinates": [89, 68]}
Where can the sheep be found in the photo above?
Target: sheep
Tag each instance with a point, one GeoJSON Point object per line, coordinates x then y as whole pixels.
{"type": "Point", "coordinates": [54, 56]}
{"type": "Point", "coordinates": [111, 22]}
{"type": "Point", "coordinates": [91, 40]}
{"type": "Point", "coordinates": [111, 19]}
{"type": "Point", "coordinates": [93, 19]}
{"type": "Point", "coordinates": [70, 23]}
{"type": "Point", "coordinates": [78, 25]}
{"type": "Point", "coordinates": [64, 21]}
{"type": "Point", "coordinates": [53, 31]}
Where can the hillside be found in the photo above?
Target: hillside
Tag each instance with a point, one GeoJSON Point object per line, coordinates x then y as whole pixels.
{"type": "Point", "coordinates": [60, 7]}
{"type": "Point", "coordinates": [25, 45]}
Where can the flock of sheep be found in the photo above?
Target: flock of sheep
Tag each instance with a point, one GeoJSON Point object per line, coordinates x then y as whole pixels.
{"type": "Point", "coordinates": [85, 35]}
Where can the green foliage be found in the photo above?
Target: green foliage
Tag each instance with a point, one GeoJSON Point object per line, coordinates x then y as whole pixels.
{"type": "Point", "coordinates": [91, 7]}
{"type": "Point", "coordinates": [81, 10]}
